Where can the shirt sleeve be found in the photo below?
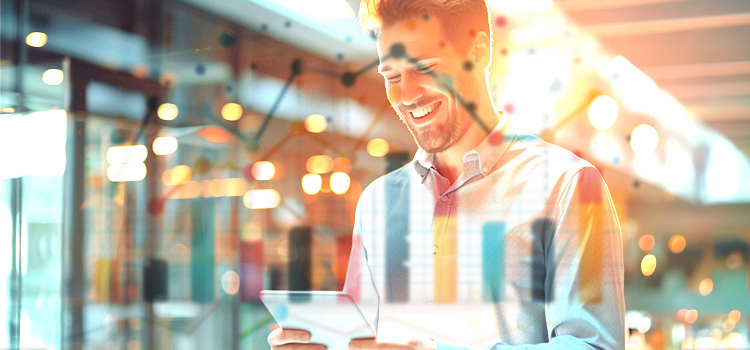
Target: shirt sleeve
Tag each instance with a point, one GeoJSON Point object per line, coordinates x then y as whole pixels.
{"type": "Point", "coordinates": [585, 263]}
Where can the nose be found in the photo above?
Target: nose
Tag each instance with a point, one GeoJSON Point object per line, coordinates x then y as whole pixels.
{"type": "Point", "coordinates": [411, 89]}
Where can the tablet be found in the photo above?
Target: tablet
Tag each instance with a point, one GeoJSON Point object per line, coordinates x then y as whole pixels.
{"type": "Point", "coordinates": [332, 318]}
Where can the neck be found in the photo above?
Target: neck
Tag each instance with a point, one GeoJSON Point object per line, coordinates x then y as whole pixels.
{"type": "Point", "coordinates": [450, 161]}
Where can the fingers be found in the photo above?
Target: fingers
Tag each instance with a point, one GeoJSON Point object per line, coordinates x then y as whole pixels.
{"type": "Point", "coordinates": [291, 339]}
{"type": "Point", "coordinates": [372, 344]}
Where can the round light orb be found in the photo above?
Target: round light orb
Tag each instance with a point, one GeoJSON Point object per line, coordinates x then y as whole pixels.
{"type": "Point", "coordinates": [53, 77]}
{"type": "Point", "coordinates": [165, 145]}
{"type": "Point", "coordinates": [167, 111]}
{"type": "Point", "coordinates": [377, 147]}
{"type": "Point", "coordinates": [230, 282]}
{"type": "Point", "coordinates": [706, 286]}
{"type": "Point", "coordinates": [340, 182]}
{"type": "Point", "coordinates": [648, 265]}
{"type": "Point", "coordinates": [677, 244]}
{"type": "Point", "coordinates": [646, 242]}
{"type": "Point", "coordinates": [644, 139]}
{"type": "Point", "coordinates": [261, 199]}
{"type": "Point", "coordinates": [311, 183]}
{"type": "Point", "coordinates": [231, 111]}
{"type": "Point", "coordinates": [36, 39]}
{"type": "Point", "coordinates": [603, 112]}
{"type": "Point", "coordinates": [320, 164]}
{"type": "Point", "coordinates": [316, 123]}
{"type": "Point", "coordinates": [263, 170]}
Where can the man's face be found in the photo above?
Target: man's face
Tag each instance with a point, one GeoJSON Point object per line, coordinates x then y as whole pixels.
{"type": "Point", "coordinates": [420, 90]}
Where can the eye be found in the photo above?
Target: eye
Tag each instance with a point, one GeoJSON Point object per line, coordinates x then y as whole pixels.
{"type": "Point", "coordinates": [393, 78]}
{"type": "Point", "coordinates": [422, 68]}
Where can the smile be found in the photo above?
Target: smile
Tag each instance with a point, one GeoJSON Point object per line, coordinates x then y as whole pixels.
{"type": "Point", "coordinates": [423, 111]}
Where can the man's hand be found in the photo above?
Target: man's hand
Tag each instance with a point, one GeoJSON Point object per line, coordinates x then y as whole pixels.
{"type": "Point", "coordinates": [373, 344]}
{"type": "Point", "coordinates": [291, 339]}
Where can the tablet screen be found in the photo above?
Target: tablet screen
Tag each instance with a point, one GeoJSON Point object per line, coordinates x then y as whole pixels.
{"type": "Point", "coordinates": [332, 318]}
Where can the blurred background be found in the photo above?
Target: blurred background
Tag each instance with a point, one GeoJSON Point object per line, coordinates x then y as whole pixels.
{"type": "Point", "coordinates": [162, 161]}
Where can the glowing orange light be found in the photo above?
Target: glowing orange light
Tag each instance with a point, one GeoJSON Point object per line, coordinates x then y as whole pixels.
{"type": "Point", "coordinates": [691, 316]}
{"type": "Point", "coordinates": [603, 112]}
{"type": "Point", "coordinates": [377, 147]}
{"type": "Point", "coordinates": [214, 134]}
{"type": "Point", "coordinates": [677, 244]}
{"type": "Point", "coordinates": [320, 164]}
{"type": "Point", "coordinates": [646, 242]}
{"type": "Point", "coordinates": [706, 286]}
{"type": "Point", "coordinates": [231, 111]}
{"type": "Point", "coordinates": [734, 315]}
{"type": "Point", "coordinates": [316, 123]}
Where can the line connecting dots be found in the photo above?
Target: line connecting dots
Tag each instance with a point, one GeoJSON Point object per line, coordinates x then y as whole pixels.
{"type": "Point", "coordinates": [296, 70]}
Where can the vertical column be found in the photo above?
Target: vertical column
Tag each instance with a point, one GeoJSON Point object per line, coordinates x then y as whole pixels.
{"type": "Point", "coordinates": [300, 264]}
{"type": "Point", "coordinates": [202, 250]}
{"type": "Point", "coordinates": [396, 244]}
{"type": "Point", "coordinates": [493, 262]}
{"type": "Point", "coordinates": [251, 270]}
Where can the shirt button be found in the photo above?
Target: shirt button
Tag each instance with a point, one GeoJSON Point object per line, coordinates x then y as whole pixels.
{"type": "Point", "coordinates": [444, 199]}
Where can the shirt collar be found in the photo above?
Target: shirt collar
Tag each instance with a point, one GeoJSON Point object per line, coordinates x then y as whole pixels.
{"type": "Point", "coordinates": [480, 160]}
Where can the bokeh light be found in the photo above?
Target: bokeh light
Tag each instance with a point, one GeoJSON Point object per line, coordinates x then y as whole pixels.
{"type": "Point", "coordinates": [261, 199]}
{"type": "Point", "coordinates": [36, 39]}
{"type": "Point", "coordinates": [734, 260]}
{"type": "Point", "coordinates": [677, 244]}
{"type": "Point", "coordinates": [263, 170]}
{"type": "Point", "coordinates": [728, 325]}
{"type": "Point", "coordinates": [646, 242]}
{"type": "Point", "coordinates": [316, 123]}
{"type": "Point", "coordinates": [734, 315]}
{"type": "Point", "coordinates": [691, 316]}
{"type": "Point", "coordinates": [126, 154]}
{"type": "Point", "coordinates": [231, 111]}
{"type": "Point", "coordinates": [644, 139]}
{"type": "Point", "coordinates": [53, 77]}
{"type": "Point", "coordinates": [126, 172]}
{"type": "Point", "coordinates": [179, 175]}
{"type": "Point", "coordinates": [230, 282]}
{"type": "Point", "coordinates": [377, 147]}
{"type": "Point", "coordinates": [340, 182]}
{"type": "Point", "coordinates": [165, 145]}
{"type": "Point", "coordinates": [603, 112]}
{"type": "Point", "coordinates": [648, 265]}
{"type": "Point", "coordinates": [167, 111]}
{"type": "Point", "coordinates": [320, 164]}
{"type": "Point", "coordinates": [706, 286]}
{"type": "Point", "coordinates": [311, 183]}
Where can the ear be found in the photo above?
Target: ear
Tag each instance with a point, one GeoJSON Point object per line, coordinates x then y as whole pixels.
{"type": "Point", "coordinates": [481, 50]}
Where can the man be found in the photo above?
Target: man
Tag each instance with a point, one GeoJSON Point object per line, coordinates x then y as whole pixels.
{"type": "Point", "coordinates": [489, 238]}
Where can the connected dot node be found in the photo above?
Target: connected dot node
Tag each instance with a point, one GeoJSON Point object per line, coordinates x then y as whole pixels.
{"type": "Point", "coordinates": [316, 123]}
{"type": "Point", "coordinates": [200, 69]}
{"type": "Point", "coordinates": [468, 65]}
{"type": "Point", "coordinates": [501, 21]}
{"type": "Point", "coordinates": [296, 66]}
{"type": "Point", "coordinates": [348, 79]}
{"type": "Point", "coordinates": [397, 50]}
{"type": "Point", "coordinates": [227, 39]}
{"type": "Point", "coordinates": [471, 106]}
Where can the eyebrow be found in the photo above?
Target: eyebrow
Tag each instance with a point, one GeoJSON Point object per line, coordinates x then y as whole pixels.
{"type": "Point", "coordinates": [416, 61]}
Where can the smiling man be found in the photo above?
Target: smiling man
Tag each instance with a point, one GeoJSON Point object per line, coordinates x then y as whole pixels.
{"type": "Point", "coordinates": [490, 238]}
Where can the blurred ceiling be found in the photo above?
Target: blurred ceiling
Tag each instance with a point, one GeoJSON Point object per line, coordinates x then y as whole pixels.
{"type": "Point", "coordinates": [697, 50]}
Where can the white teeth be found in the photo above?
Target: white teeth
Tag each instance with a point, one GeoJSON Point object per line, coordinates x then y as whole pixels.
{"type": "Point", "coordinates": [421, 112]}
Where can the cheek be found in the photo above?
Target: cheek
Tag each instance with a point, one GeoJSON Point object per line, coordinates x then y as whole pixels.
{"type": "Point", "coordinates": [394, 94]}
